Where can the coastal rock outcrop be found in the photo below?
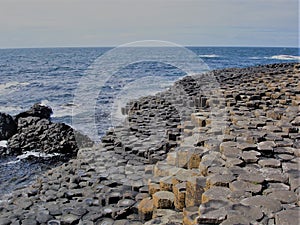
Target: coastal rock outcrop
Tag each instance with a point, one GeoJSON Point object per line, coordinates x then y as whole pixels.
{"type": "Point", "coordinates": [33, 130]}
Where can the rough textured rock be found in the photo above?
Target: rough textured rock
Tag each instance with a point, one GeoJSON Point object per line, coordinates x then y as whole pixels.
{"type": "Point", "coordinates": [8, 126]}
{"type": "Point", "coordinates": [37, 110]}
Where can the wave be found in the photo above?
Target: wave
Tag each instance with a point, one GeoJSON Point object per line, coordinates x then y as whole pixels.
{"type": "Point", "coordinates": [31, 153]}
{"type": "Point", "coordinates": [254, 57]}
{"type": "Point", "coordinates": [209, 56]}
{"type": "Point", "coordinates": [284, 57]}
{"type": "Point", "coordinates": [10, 87]}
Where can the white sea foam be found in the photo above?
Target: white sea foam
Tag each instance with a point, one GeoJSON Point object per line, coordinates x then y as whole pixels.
{"type": "Point", "coordinates": [31, 153]}
{"type": "Point", "coordinates": [11, 87]}
{"type": "Point", "coordinates": [284, 57]}
{"type": "Point", "coordinates": [209, 56]}
{"type": "Point", "coordinates": [3, 144]}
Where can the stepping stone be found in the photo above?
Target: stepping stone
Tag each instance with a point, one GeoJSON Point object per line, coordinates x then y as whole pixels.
{"type": "Point", "coordinates": [219, 180]}
{"type": "Point", "coordinates": [253, 213]}
{"type": "Point", "coordinates": [266, 147]}
{"type": "Point", "coordinates": [268, 204]}
{"type": "Point", "coordinates": [250, 156]}
{"type": "Point", "coordinates": [216, 193]}
{"type": "Point", "coordinates": [274, 175]}
{"type": "Point", "coordinates": [213, 212]}
{"type": "Point", "coordinates": [285, 197]}
{"type": "Point", "coordinates": [245, 187]}
{"type": "Point", "coordinates": [274, 163]}
{"type": "Point", "coordinates": [236, 220]}
{"type": "Point", "coordinates": [163, 200]}
{"type": "Point", "coordinates": [255, 178]}
{"type": "Point", "coordinates": [288, 217]}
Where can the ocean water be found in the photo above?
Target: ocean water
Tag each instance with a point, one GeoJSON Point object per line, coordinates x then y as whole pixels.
{"type": "Point", "coordinates": [52, 75]}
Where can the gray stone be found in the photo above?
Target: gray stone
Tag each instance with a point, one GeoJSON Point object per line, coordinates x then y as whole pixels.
{"type": "Point", "coordinates": [216, 193]}
{"type": "Point", "coordinates": [288, 217]}
{"type": "Point", "coordinates": [268, 204]}
{"type": "Point", "coordinates": [253, 213]}
{"type": "Point", "coordinates": [69, 219]}
{"type": "Point", "coordinates": [219, 180]}
{"type": "Point", "coordinates": [274, 163]}
{"type": "Point", "coordinates": [236, 220]}
{"type": "Point", "coordinates": [250, 156]}
{"type": "Point", "coordinates": [105, 221]}
{"type": "Point", "coordinates": [4, 221]}
{"type": "Point", "coordinates": [43, 216]}
{"type": "Point", "coordinates": [29, 221]}
{"type": "Point", "coordinates": [245, 186]}
{"type": "Point", "coordinates": [266, 146]}
{"type": "Point", "coordinates": [284, 196]}
{"type": "Point", "coordinates": [255, 178]}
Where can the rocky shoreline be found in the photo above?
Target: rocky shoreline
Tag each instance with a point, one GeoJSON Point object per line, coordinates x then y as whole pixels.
{"type": "Point", "coordinates": [219, 148]}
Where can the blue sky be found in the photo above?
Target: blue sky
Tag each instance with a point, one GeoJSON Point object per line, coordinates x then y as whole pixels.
{"type": "Point", "coordinates": [63, 23]}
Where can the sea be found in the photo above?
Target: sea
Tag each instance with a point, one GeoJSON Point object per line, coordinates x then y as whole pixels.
{"type": "Point", "coordinates": [52, 76]}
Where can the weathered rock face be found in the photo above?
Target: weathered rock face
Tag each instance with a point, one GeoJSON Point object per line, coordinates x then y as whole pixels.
{"type": "Point", "coordinates": [8, 127]}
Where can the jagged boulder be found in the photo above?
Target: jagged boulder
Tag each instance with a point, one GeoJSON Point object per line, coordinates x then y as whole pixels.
{"type": "Point", "coordinates": [32, 130]}
{"type": "Point", "coordinates": [36, 134]}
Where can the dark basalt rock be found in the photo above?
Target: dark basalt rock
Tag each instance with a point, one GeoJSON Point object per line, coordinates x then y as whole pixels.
{"type": "Point", "coordinates": [37, 110]}
{"type": "Point", "coordinates": [35, 134]}
{"type": "Point", "coordinates": [32, 130]}
{"type": "Point", "coordinates": [8, 127]}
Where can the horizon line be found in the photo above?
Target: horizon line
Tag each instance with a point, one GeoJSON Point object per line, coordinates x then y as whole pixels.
{"type": "Point", "coordinates": [110, 46]}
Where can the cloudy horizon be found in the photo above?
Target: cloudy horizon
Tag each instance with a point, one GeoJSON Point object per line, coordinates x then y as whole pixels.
{"type": "Point", "coordinates": [92, 23]}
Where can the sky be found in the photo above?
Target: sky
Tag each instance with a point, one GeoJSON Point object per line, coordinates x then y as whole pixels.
{"type": "Point", "coordinates": [79, 23]}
